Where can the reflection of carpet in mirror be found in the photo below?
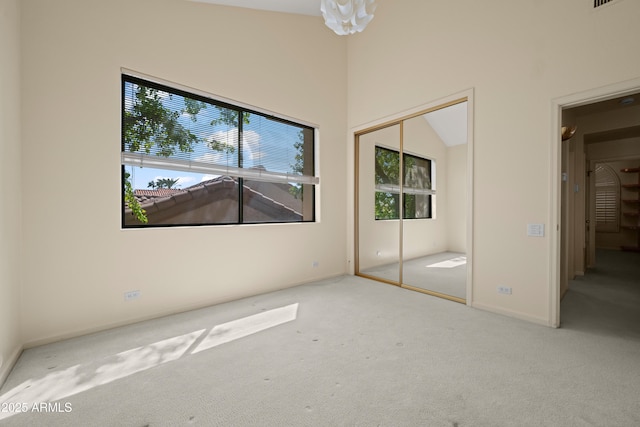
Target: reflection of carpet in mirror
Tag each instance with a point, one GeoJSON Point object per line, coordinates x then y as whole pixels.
{"type": "Point", "coordinates": [445, 272]}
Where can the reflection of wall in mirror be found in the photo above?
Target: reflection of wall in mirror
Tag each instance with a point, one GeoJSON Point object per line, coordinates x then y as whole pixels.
{"type": "Point", "coordinates": [427, 236]}
{"type": "Point", "coordinates": [457, 200]}
{"type": "Point", "coordinates": [379, 241]}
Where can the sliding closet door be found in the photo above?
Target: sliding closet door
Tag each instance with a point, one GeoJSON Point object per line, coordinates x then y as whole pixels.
{"type": "Point", "coordinates": [422, 234]}
{"type": "Point", "coordinates": [434, 193]}
{"type": "Point", "coordinates": [379, 204]}
{"type": "Point", "coordinates": [412, 201]}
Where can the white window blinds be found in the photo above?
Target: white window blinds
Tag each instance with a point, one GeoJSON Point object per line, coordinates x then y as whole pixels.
{"type": "Point", "coordinates": [607, 195]}
{"type": "Point", "coordinates": [174, 130]}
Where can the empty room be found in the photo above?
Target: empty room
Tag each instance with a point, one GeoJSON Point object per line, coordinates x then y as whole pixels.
{"type": "Point", "coordinates": [319, 212]}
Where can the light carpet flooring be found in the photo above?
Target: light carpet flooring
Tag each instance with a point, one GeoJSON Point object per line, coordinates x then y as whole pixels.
{"type": "Point", "coordinates": [350, 352]}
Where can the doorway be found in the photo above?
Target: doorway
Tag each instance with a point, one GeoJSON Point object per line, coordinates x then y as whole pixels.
{"type": "Point", "coordinates": [413, 201]}
{"type": "Point", "coordinates": [606, 131]}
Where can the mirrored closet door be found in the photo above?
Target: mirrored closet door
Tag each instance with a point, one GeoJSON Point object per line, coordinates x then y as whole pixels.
{"type": "Point", "coordinates": [378, 204]}
{"type": "Point", "coordinates": [412, 202]}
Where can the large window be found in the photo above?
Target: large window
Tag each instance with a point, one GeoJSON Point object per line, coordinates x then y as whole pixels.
{"type": "Point", "coordinates": [188, 159]}
{"type": "Point", "coordinates": [417, 185]}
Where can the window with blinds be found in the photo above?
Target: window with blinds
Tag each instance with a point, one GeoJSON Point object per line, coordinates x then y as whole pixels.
{"type": "Point", "coordinates": [607, 193]}
{"type": "Point", "coordinates": [189, 159]}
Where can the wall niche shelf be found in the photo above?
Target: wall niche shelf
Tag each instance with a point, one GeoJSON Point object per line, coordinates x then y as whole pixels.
{"type": "Point", "coordinates": [631, 208]}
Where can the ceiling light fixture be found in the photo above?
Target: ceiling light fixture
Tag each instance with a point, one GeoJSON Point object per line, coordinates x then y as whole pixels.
{"type": "Point", "coordinates": [347, 16]}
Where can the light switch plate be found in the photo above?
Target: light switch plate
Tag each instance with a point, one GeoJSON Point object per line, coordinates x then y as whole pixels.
{"type": "Point", "coordinates": [535, 230]}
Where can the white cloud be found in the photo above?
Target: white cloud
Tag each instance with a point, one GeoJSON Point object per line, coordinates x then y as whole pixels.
{"type": "Point", "coordinates": [208, 177]}
{"type": "Point", "coordinates": [185, 181]}
{"type": "Point", "coordinates": [216, 158]}
{"type": "Point", "coordinates": [250, 143]}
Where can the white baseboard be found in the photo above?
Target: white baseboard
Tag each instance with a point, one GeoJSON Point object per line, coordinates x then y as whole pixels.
{"type": "Point", "coordinates": [510, 313]}
{"type": "Point", "coordinates": [7, 365]}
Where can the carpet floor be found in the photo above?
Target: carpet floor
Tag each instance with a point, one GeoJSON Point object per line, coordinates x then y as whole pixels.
{"type": "Point", "coordinates": [348, 352]}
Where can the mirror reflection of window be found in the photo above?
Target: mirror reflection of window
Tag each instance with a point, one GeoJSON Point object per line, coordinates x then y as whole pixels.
{"type": "Point", "coordinates": [417, 188]}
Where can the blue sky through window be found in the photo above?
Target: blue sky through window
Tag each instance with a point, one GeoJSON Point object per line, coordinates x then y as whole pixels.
{"type": "Point", "coordinates": [266, 143]}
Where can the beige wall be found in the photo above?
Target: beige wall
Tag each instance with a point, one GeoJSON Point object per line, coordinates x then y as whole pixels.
{"type": "Point", "coordinates": [10, 222]}
{"type": "Point", "coordinates": [379, 241]}
{"type": "Point", "coordinates": [518, 56]}
{"type": "Point", "coordinates": [78, 262]}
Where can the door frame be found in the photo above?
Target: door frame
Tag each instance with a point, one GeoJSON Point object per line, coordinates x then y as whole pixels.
{"type": "Point", "coordinates": [557, 255]}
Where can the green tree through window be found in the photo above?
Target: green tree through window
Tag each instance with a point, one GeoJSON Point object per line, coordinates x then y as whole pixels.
{"type": "Point", "coordinates": [417, 185]}
{"type": "Point", "coordinates": [178, 140]}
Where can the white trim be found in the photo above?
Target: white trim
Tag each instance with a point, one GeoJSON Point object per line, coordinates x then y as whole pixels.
{"type": "Point", "coordinates": [316, 168]}
{"type": "Point", "coordinates": [510, 313]}
{"type": "Point", "coordinates": [415, 110]}
{"type": "Point", "coordinates": [470, 193]}
{"type": "Point", "coordinates": [213, 97]}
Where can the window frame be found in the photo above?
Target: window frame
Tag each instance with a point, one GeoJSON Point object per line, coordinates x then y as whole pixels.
{"type": "Point", "coordinates": [394, 189]}
{"type": "Point", "coordinates": [240, 174]}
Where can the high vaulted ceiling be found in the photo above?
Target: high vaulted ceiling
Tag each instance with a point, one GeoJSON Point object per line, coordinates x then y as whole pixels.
{"type": "Point", "coordinates": [302, 7]}
{"type": "Point", "coordinates": [449, 123]}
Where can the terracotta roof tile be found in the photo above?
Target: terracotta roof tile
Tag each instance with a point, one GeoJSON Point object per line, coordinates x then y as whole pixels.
{"type": "Point", "coordinates": [155, 200]}
{"type": "Point", "coordinates": [160, 192]}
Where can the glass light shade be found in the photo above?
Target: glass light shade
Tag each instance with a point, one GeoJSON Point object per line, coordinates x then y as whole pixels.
{"type": "Point", "coordinates": [347, 16]}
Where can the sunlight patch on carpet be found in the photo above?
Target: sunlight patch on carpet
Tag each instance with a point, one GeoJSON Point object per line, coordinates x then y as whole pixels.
{"type": "Point", "coordinates": [240, 328]}
{"type": "Point", "coordinates": [79, 378]}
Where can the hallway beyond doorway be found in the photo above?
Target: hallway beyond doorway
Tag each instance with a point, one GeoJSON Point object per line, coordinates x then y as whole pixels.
{"type": "Point", "coordinates": [606, 300]}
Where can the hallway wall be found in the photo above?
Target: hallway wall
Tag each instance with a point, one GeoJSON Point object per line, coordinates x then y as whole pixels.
{"type": "Point", "coordinates": [592, 143]}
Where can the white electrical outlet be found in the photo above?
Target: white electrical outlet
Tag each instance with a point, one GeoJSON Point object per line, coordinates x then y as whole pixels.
{"type": "Point", "coordinates": [504, 290]}
{"type": "Point", "coordinates": [128, 296]}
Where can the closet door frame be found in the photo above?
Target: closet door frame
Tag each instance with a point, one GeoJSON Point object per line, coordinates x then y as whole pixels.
{"type": "Point", "coordinates": [399, 119]}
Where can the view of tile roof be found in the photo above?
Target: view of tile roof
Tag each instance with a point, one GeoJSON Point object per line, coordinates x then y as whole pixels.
{"type": "Point", "coordinates": [146, 196]}
{"type": "Point", "coordinates": [160, 199]}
